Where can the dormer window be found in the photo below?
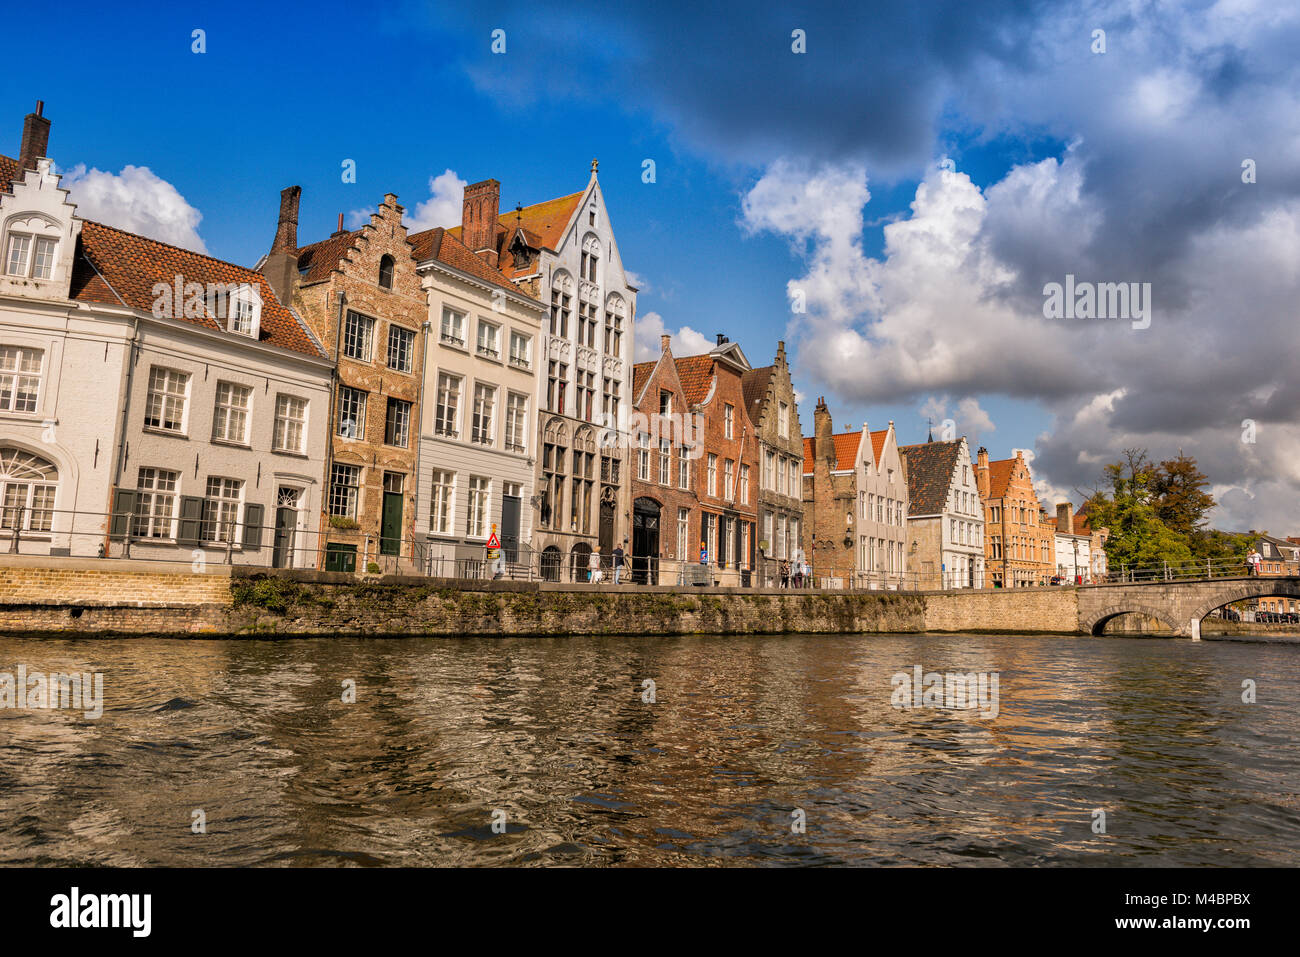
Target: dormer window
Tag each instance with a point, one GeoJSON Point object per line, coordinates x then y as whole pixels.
{"type": "Point", "coordinates": [386, 272]}
{"type": "Point", "coordinates": [30, 256]}
{"type": "Point", "coordinates": [245, 312]}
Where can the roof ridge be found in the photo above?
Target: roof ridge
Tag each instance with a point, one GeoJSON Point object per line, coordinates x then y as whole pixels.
{"type": "Point", "coordinates": [159, 242]}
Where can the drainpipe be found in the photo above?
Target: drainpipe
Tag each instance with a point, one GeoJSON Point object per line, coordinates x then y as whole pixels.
{"type": "Point", "coordinates": [329, 443]}
{"type": "Point", "coordinates": [425, 327]}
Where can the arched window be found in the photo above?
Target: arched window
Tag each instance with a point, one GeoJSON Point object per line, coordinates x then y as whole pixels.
{"type": "Point", "coordinates": [386, 272]}
{"type": "Point", "coordinates": [561, 303]}
{"type": "Point", "coordinates": [590, 257]}
{"type": "Point", "coordinates": [28, 484]}
{"type": "Point", "coordinates": [615, 312]}
{"type": "Point", "coordinates": [554, 452]}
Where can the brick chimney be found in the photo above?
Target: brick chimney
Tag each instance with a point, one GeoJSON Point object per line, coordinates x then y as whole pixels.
{"type": "Point", "coordinates": [478, 218]}
{"type": "Point", "coordinates": [36, 138]}
{"type": "Point", "coordinates": [823, 444]}
{"type": "Point", "coordinates": [1065, 517]}
{"type": "Point", "coordinates": [982, 471]}
{"type": "Point", "coordinates": [663, 342]}
{"type": "Point", "coordinates": [281, 267]}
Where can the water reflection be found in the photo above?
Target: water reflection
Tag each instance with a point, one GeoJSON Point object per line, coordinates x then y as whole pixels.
{"type": "Point", "coordinates": [554, 733]}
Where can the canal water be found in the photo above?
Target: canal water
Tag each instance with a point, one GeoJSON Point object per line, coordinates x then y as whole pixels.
{"type": "Point", "coordinates": [746, 737]}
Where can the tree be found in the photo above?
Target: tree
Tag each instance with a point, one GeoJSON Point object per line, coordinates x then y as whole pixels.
{"type": "Point", "coordinates": [1138, 537]}
{"type": "Point", "coordinates": [1177, 487]}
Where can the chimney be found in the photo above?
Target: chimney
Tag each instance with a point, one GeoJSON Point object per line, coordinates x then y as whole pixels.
{"type": "Point", "coordinates": [663, 342]}
{"type": "Point", "coordinates": [478, 218]}
{"type": "Point", "coordinates": [722, 339]}
{"type": "Point", "coordinates": [286, 227]}
{"type": "Point", "coordinates": [1065, 517]}
{"type": "Point", "coordinates": [36, 138]}
{"type": "Point", "coordinates": [340, 231]}
{"type": "Point", "coordinates": [281, 266]}
{"type": "Point", "coordinates": [982, 471]}
{"type": "Point", "coordinates": [823, 444]}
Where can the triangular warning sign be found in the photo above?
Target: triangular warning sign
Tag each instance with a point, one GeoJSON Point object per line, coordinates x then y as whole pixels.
{"type": "Point", "coordinates": [492, 541]}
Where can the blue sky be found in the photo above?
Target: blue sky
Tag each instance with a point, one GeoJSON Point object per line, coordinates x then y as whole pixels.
{"type": "Point", "coordinates": [1116, 166]}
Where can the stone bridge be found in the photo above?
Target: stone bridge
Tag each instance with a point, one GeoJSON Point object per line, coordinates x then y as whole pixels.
{"type": "Point", "coordinates": [1179, 605]}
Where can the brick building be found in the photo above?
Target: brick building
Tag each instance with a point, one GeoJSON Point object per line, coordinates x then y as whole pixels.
{"type": "Point", "coordinates": [666, 511]}
{"type": "Point", "coordinates": [1019, 549]}
{"type": "Point", "coordinates": [774, 413]}
{"type": "Point", "coordinates": [855, 505]}
{"type": "Point", "coordinates": [1072, 545]}
{"type": "Point", "coordinates": [724, 475]}
{"type": "Point", "coordinates": [361, 295]}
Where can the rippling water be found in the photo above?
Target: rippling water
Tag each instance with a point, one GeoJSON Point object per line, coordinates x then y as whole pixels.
{"type": "Point", "coordinates": [744, 729]}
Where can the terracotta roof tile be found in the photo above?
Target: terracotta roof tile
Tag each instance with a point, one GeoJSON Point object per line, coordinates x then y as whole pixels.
{"type": "Point", "coordinates": [128, 266]}
{"type": "Point", "coordinates": [8, 170]}
{"type": "Point", "coordinates": [878, 446]}
{"type": "Point", "coordinates": [318, 260]}
{"type": "Point", "coordinates": [442, 245]}
{"type": "Point", "coordinates": [846, 451]}
{"type": "Point", "coordinates": [930, 470]}
{"type": "Point", "coordinates": [543, 225]}
{"type": "Point", "coordinates": [640, 373]}
{"type": "Point", "coordinates": [696, 374]}
{"type": "Point", "coordinates": [1000, 477]}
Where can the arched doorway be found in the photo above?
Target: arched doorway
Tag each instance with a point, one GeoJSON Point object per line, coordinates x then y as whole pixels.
{"type": "Point", "coordinates": [550, 569]}
{"type": "Point", "coordinates": [645, 541]}
{"type": "Point", "coordinates": [28, 486]}
{"type": "Point", "coordinates": [578, 562]}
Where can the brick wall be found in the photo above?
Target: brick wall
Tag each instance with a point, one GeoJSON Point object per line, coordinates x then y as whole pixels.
{"type": "Point", "coordinates": [53, 581]}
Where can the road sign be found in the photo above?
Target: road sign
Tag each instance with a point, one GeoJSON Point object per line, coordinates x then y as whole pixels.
{"type": "Point", "coordinates": [492, 542]}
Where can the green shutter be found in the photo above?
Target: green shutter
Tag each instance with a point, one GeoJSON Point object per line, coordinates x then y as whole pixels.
{"type": "Point", "coordinates": [253, 526]}
{"type": "Point", "coordinates": [191, 523]}
{"type": "Point", "coordinates": [124, 500]}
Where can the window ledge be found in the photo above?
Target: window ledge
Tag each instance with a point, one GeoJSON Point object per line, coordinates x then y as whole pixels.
{"type": "Point", "coordinates": [155, 430]}
{"type": "Point", "coordinates": [232, 445]}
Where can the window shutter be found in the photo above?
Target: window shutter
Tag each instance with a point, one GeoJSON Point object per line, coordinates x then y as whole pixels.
{"type": "Point", "coordinates": [191, 522]}
{"type": "Point", "coordinates": [253, 526]}
{"type": "Point", "coordinates": [124, 500]}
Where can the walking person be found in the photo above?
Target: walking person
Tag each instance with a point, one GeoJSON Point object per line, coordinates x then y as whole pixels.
{"type": "Point", "coordinates": [1252, 562]}
{"type": "Point", "coordinates": [785, 574]}
{"type": "Point", "coordinates": [593, 566]}
{"type": "Point", "coordinates": [618, 562]}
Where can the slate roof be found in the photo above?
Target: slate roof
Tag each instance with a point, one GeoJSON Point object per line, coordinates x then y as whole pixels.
{"type": "Point", "coordinates": [930, 470]}
{"type": "Point", "coordinates": [120, 268]}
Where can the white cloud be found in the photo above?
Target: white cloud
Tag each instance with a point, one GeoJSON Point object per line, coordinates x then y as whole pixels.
{"type": "Point", "coordinates": [969, 418]}
{"type": "Point", "coordinates": [636, 279]}
{"type": "Point", "coordinates": [686, 341]}
{"type": "Point", "coordinates": [138, 201]}
{"type": "Point", "coordinates": [442, 208]}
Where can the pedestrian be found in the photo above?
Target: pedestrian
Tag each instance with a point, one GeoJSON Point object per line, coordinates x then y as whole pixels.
{"type": "Point", "coordinates": [785, 574]}
{"type": "Point", "coordinates": [593, 566]}
{"type": "Point", "coordinates": [618, 561]}
{"type": "Point", "coordinates": [1252, 562]}
{"type": "Point", "coordinates": [805, 575]}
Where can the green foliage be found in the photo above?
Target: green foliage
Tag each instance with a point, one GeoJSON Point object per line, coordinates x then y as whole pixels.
{"type": "Point", "coordinates": [1157, 514]}
{"type": "Point", "coordinates": [276, 595]}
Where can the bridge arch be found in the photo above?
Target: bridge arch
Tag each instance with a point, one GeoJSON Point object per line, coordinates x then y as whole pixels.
{"type": "Point", "coordinates": [1250, 588]}
{"type": "Point", "coordinates": [1096, 624]}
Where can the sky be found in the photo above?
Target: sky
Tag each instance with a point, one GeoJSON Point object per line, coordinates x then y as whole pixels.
{"type": "Point", "coordinates": [890, 188]}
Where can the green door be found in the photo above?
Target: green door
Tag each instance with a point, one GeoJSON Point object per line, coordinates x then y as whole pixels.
{"type": "Point", "coordinates": [390, 526]}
